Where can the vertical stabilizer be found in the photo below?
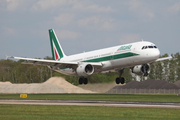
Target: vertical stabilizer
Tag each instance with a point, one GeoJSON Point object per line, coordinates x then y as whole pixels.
{"type": "Point", "coordinates": [57, 51]}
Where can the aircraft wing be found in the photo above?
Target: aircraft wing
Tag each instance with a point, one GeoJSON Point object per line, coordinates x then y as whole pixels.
{"type": "Point", "coordinates": [53, 62]}
{"type": "Point", "coordinates": [164, 58]}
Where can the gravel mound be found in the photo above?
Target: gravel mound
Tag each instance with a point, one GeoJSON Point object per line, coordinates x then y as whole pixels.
{"type": "Point", "coordinates": [177, 83]}
{"type": "Point", "coordinates": [52, 85]}
{"type": "Point", "coordinates": [148, 84]}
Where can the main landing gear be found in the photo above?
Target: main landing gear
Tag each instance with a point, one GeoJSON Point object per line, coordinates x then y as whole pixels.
{"type": "Point", "coordinates": [83, 81]}
{"type": "Point", "coordinates": [120, 79]}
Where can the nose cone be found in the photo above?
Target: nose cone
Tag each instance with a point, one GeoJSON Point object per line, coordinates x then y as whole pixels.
{"type": "Point", "coordinates": [157, 53]}
{"type": "Point", "coordinates": [151, 55]}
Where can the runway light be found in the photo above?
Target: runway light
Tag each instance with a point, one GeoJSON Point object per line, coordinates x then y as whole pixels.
{"type": "Point", "coordinates": [23, 95]}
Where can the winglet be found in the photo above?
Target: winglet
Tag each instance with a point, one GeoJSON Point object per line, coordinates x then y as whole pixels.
{"type": "Point", "coordinates": [170, 57]}
{"type": "Point", "coordinates": [9, 57]}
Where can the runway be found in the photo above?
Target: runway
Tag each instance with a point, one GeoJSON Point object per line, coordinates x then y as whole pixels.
{"type": "Point", "coordinates": [91, 103]}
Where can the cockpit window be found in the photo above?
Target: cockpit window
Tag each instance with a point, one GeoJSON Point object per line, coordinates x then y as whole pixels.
{"type": "Point", "coordinates": [150, 46]}
{"type": "Point", "coordinates": [146, 47]}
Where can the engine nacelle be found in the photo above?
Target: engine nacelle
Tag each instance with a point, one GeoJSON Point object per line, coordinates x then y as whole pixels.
{"type": "Point", "coordinates": [85, 69]}
{"type": "Point", "coordinates": [141, 70]}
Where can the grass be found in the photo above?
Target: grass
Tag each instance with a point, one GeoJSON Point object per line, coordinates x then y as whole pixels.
{"type": "Point", "coordinates": [103, 97]}
{"type": "Point", "coordinates": [38, 112]}
{"type": "Point", "coordinates": [43, 112]}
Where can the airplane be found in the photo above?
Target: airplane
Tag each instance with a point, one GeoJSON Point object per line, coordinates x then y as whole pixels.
{"type": "Point", "coordinates": [137, 56]}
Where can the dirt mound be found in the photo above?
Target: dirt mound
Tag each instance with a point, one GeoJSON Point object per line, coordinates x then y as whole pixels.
{"type": "Point", "coordinates": [30, 88]}
{"type": "Point", "coordinates": [53, 85]}
{"type": "Point", "coordinates": [148, 84]}
{"type": "Point", "coordinates": [61, 82]}
{"type": "Point", "coordinates": [7, 82]}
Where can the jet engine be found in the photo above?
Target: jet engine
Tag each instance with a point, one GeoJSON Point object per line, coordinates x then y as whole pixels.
{"type": "Point", "coordinates": [85, 69]}
{"type": "Point", "coordinates": [141, 70]}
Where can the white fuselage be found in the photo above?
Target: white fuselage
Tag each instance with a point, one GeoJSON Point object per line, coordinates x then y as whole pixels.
{"type": "Point", "coordinates": [115, 58]}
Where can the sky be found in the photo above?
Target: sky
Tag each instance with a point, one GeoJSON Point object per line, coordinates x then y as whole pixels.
{"type": "Point", "coordinates": [86, 25]}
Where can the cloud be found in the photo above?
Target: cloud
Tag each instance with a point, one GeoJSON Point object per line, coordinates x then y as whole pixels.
{"type": "Point", "coordinates": [129, 38]}
{"type": "Point", "coordinates": [71, 4]}
{"type": "Point", "coordinates": [175, 8]}
{"type": "Point", "coordinates": [46, 4]}
{"type": "Point", "coordinates": [91, 7]}
{"type": "Point", "coordinates": [97, 23]}
{"type": "Point", "coordinates": [10, 31]}
{"type": "Point", "coordinates": [64, 19]}
{"type": "Point", "coordinates": [13, 4]}
{"type": "Point", "coordinates": [99, 9]}
{"type": "Point", "coordinates": [141, 10]}
{"type": "Point", "coordinates": [64, 34]}
{"type": "Point", "coordinates": [134, 4]}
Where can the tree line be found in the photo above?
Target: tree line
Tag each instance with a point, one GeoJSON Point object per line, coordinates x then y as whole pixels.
{"type": "Point", "coordinates": [17, 72]}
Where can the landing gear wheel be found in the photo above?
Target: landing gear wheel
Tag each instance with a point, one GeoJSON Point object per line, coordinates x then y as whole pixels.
{"type": "Point", "coordinates": [81, 81]}
{"type": "Point", "coordinates": [85, 81]}
{"type": "Point", "coordinates": [122, 80]}
{"type": "Point", "coordinates": [117, 80]}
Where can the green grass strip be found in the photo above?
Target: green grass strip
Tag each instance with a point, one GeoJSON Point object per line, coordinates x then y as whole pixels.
{"type": "Point", "coordinates": [103, 97]}
{"type": "Point", "coordinates": [38, 112]}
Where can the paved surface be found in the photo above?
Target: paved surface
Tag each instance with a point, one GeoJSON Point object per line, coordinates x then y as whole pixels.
{"type": "Point", "coordinates": [91, 103]}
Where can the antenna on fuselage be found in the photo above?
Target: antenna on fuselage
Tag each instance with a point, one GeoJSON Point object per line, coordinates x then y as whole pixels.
{"type": "Point", "coordinates": [142, 40]}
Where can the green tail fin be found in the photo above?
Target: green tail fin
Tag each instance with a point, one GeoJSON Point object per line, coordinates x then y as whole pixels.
{"type": "Point", "coordinates": [57, 51]}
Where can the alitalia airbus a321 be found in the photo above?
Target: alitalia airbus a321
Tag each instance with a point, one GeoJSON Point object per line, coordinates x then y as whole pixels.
{"type": "Point", "coordinates": [136, 56]}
